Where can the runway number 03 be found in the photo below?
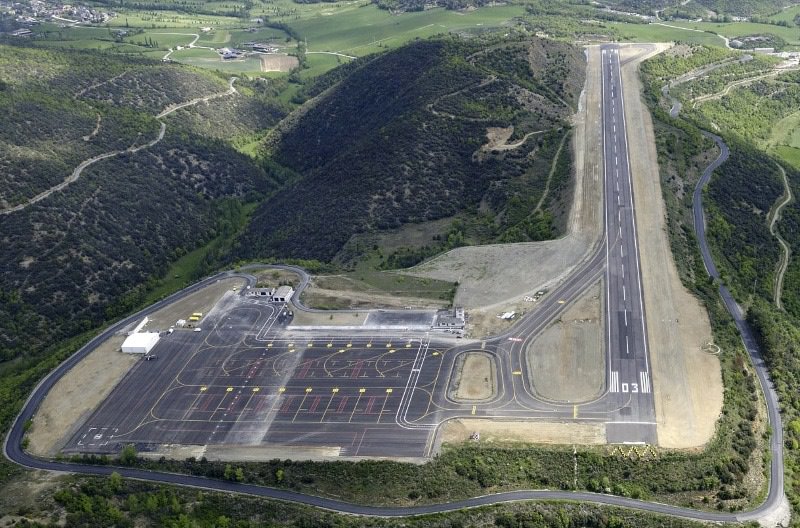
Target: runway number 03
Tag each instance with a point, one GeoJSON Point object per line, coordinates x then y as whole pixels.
{"type": "Point", "coordinates": [634, 387]}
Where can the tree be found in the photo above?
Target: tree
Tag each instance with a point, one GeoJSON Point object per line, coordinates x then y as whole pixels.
{"type": "Point", "coordinates": [115, 481]}
{"type": "Point", "coordinates": [127, 457]}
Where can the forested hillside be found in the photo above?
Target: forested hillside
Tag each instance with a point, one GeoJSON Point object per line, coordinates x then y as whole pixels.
{"type": "Point", "coordinates": [86, 253]}
{"type": "Point", "coordinates": [720, 7]}
{"type": "Point", "coordinates": [739, 201]}
{"type": "Point", "coordinates": [403, 138]}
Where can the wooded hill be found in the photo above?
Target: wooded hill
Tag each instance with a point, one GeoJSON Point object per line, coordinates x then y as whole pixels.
{"type": "Point", "coordinates": [401, 138]}
{"type": "Point", "coordinates": [720, 7]}
{"type": "Point", "coordinates": [738, 203]}
{"type": "Point", "coordinates": [86, 253]}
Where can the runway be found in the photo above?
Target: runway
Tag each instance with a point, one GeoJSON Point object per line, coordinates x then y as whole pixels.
{"type": "Point", "coordinates": [628, 361]}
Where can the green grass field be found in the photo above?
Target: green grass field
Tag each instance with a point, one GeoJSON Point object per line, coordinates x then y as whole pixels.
{"type": "Point", "coordinates": [784, 141]}
{"type": "Point", "coordinates": [657, 33]}
{"type": "Point", "coordinates": [169, 19]}
{"type": "Point", "coordinates": [738, 29]}
{"type": "Point", "coordinates": [789, 154]}
{"type": "Point", "coordinates": [786, 15]}
{"type": "Point", "coordinates": [369, 29]}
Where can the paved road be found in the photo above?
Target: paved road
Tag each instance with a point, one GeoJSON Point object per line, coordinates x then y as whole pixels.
{"type": "Point", "coordinates": [587, 274]}
{"type": "Point", "coordinates": [776, 439]}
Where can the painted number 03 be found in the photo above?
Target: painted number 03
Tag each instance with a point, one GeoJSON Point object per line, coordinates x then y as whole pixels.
{"type": "Point", "coordinates": [633, 387]}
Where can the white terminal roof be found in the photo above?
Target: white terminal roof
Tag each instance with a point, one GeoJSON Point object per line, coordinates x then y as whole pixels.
{"type": "Point", "coordinates": [141, 340]}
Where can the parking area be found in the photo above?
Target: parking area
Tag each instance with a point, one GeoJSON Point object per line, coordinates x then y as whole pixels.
{"type": "Point", "coordinates": [240, 381]}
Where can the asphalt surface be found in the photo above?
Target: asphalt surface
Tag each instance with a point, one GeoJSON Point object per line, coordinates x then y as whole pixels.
{"type": "Point", "coordinates": [628, 361]}
{"type": "Point", "coordinates": [412, 410]}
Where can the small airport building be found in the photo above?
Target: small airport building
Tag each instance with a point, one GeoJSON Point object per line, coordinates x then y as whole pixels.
{"type": "Point", "coordinates": [279, 294]}
{"type": "Point", "coordinates": [283, 294]}
{"type": "Point", "coordinates": [140, 343]}
{"type": "Point", "coordinates": [454, 319]}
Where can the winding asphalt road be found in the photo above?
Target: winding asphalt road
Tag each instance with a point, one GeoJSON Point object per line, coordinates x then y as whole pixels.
{"type": "Point", "coordinates": [13, 451]}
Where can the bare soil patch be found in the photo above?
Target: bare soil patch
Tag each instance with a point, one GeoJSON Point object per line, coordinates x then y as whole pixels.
{"type": "Point", "coordinates": [201, 301]}
{"type": "Point", "coordinates": [279, 63]}
{"type": "Point", "coordinates": [272, 278]}
{"type": "Point", "coordinates": [30, 496]}
{"type": "Point", "coordinates": [687, 382]}
{"type": "Point", "coordinates": [566, 361]}
{"type": "Point", "coordinates": [475, 377]}
{"type": "Point", "coordinates": [302, 318]}
{"type": "Point", "coordinates": [77, 394]}
{"type": "Point", "coordinates": [331, 299]}
{"type": "Point", "coordinates": [89, 382]}
{"type": "Point", "coordinates": [498, 432]}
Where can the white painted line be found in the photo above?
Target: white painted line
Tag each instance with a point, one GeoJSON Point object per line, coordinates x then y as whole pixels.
{"type": "Point", "coordinates": [619, 215]}
{"type": "Point", "coordinates": [627, 348]}
{"type": "Point", "coordinates": [625, 312]}
{"type": "Point", "coordinates": [635, 235]}
{"type": "Point", "coordinates": [645, 382]}
{"type": "Point", "coordinates": [620, 231]}
{"type": "Point", "coordinates": [623, 292]}
{"type": "Point", "coordinates": [618, 202]}
{"type": "Point", "coordinates": [614, 381]}
{"type": "Point", "coordinates": [623, 276]}
{"type": "Point", "coordinates": [616, 160]}
{"type": "Point", "coordinates": [603, 102]}
{"type": "Point", "coordinates": [621, 253]}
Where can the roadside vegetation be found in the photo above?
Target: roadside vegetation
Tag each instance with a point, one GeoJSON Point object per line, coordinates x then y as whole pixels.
{"type": "Point", "coordinates": [114, 501]}
{"type": "Point", "coordinates": [737, 202]}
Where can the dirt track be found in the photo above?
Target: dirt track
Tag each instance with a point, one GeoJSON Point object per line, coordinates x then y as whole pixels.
{"type": "Point", "coordinates": [687, 382]}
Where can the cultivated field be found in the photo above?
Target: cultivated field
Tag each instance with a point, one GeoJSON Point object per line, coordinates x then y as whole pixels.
{"type": "Point", "coordinates": [278, 63]}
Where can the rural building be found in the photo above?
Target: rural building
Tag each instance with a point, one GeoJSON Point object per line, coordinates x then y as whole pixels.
{"type": "Point", "coordinates": [140, 343]}
{"type": "Point", "coordinates": [283, 294]}
{"type": "Point", "coordinates": [454, 319]}
{"type": "Point", "coordinates": [262, 292]}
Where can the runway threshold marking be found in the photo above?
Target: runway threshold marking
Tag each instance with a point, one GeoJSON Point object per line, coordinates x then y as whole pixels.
{"type": "Point", "coordinates": [644, 377]}
{"type": "Point", "coordinates": [614, 381]}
